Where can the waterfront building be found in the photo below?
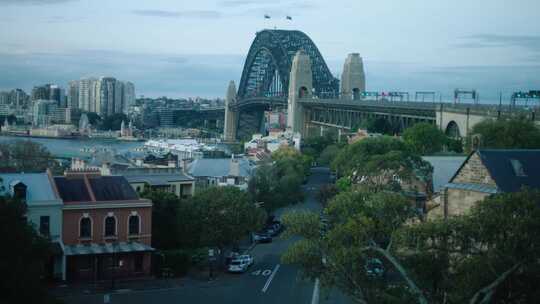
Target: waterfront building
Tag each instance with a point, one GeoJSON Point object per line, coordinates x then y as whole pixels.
{"type": "Point", "coordinates": [107, 228]}
{"type": "Point", "coordinates": [184, 148]}
{"type": "Point", "coordinates": [44, 212]}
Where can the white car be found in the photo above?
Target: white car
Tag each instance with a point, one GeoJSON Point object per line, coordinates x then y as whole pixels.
{"type": "Point", "coordinates": [240, 263]}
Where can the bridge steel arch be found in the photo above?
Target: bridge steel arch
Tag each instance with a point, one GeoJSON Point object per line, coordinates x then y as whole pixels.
{"type": "Point", "coordinates": [268, 65]}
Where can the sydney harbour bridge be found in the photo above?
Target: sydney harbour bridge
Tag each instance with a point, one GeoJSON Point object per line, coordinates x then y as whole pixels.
{"type": "Point", "coordinates": [284, 69]}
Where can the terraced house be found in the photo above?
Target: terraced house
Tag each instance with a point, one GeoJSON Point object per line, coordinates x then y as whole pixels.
{"type": "Point", "coordinates": [107, 228]}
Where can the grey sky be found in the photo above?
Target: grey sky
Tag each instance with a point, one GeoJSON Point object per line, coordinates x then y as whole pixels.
{"type": "Point", "coordinates": [192, 48]}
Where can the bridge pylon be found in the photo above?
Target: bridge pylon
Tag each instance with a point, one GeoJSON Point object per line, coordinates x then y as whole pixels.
{"type": "Point", "coordinates": [231, 115]}
{"type": "Point", "coordinates": [353, 78]}
{"type": "Point", "coordinates": [300, 86]}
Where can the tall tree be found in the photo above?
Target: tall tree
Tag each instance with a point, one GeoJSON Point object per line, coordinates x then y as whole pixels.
{"type": "Point", "coordinates": [226, 214]}
{"type": "Point", "coordinates": [22, 257]}
{"type": "Point", "coordinates": [517, 133]}
{"type": "Point", "coordinates": [361, 226]}
{"type": "Point", "coordinates": [424, 138]}
{"type": "Point", "coordinates": [174, 221]}
{"type": "Point", "coordinates": [379, 160]}
{"type": "Point", "coordinates": [489, 255]}
{"type": "Point", "coordinates": [25, 156]}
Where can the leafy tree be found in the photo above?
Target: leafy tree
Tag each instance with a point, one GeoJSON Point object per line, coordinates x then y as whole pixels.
{"type": "Point", "coordinates": [326, 193]}
{"type": "Point", "coordinates": [113, 122]}
{"type": "Point", "coordinates": [174, 221]}
{"type": "Point", "coordinates": [424, 138]}
{"type": "Point", "coordinates": [288, 159]}
{"type": "Point", "coordinates": [489, 255]}
{"type": "Point", "coordinates": [278, 184]}
{"type": "Point", "coordinates": [380, 125]}
{"type": "Point", "coordinates": [362, 225]}
{"type": "Point", "coordinates": [378, 160]}
{"type": "Point", "coordinates": [226, 214]}
{"type": "Point", "coordinates": [327, 155]}
{"type": "Point", "coordinates": [22, 257]}
{"type": "Point", "coordinates": [26, 156]}
{"type": "Point", "coordinates": [517, 133]}
{"type": "Point", "coordinates": [93, 118]}
{"type": "Point", "coordinates": [313, 146]}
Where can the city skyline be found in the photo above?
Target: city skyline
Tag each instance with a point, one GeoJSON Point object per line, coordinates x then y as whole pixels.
{"type": "Point", "coordinates": [417, 46]}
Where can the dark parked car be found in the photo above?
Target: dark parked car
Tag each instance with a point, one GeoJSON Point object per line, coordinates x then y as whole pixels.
{"type": "Point", "coordinates": [261, 237]}
{"type": "Point", "coordinates": [374, 268]}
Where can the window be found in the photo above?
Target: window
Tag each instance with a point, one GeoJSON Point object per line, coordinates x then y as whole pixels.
{"type": "Point", "coordinates": [85, 228]}
{"type": "Point", "coordinates": [134, 222]}
{"type": "Point", "coordinates": [110, 226]}
{"type": "Point", "coordinates": [518, 167]}
{"type": "Point", "coordinates": [44, 225]}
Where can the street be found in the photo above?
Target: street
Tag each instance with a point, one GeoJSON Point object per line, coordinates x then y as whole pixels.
{"type": "Point", "coordinates": [267, 280]}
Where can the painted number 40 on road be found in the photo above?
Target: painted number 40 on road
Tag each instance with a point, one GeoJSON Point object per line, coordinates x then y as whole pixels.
{"type": "Point", "coordinates": [265, 272]}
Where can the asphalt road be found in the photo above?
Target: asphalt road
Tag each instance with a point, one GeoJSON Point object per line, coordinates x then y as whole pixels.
{"type": "Point", "coordinates": [267, 280]}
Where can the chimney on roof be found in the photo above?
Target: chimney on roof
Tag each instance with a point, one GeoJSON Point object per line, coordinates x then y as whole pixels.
{"type": "Point", "coordinates": [80, 173]}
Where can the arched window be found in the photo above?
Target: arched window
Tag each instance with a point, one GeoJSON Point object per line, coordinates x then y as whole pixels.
{"type": "Point", "coordinates": [134, 223]}
{"type": "Point", "coordinates": [110, 226]}
{"type": "Point", "coordinates": [85, 227]}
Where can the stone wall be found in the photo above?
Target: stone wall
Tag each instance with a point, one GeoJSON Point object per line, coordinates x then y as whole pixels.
{"type": "Point", "coordinates": [461, 201]}
{"type": "Point", "coordinates": [474, 172]}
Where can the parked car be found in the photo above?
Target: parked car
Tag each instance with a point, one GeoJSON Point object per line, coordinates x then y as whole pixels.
{"type": "Point", "coordinates": [374, 268]}
{"type": "Point", "coordinates": [261, 237]}
{"type": "Point", "coordinates": [241, 263]}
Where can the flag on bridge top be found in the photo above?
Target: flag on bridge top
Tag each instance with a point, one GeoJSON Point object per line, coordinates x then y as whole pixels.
{"type": "Point", "coordinates": [266, 16]}
{"type": "Point", "coordinates": [289, 18]}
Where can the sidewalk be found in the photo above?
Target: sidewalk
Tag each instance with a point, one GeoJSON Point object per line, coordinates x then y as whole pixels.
{"type": "Point", "coordinates": [195, 277]}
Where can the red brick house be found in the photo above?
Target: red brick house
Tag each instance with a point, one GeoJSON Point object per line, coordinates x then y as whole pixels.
{"type": "Point", "coordinates": [107, 228]}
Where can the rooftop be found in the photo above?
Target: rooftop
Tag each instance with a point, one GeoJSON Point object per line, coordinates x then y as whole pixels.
{"type": "Point", "coordinates": [92, 187]}
{"type": "Point", "coordinates": [39, 187]}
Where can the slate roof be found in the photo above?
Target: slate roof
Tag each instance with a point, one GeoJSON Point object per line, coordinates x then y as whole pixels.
{"type": "Point", "coordinates": [217, 167]}
{"type": "Point", "coordinates": [499, 164]}
{"type": "Point", "coordinates": [104, 188]}
{"type": "Point", "coordinates": [39, 188]}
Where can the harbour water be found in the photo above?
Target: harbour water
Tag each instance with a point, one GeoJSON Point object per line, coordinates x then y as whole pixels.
{"type": "Point", "coordinates": [67, 148]}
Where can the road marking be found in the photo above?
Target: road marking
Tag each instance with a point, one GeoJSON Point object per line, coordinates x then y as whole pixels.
{"type": "Point", "coordinates": [270, 278]}
{"type": "Point", "coordinates": [315, 296]}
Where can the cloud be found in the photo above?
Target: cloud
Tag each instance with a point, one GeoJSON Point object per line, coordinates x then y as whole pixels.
{"type": "Point", "coordinates": [529, 42]}
{"type": "Point", "coordinates": [197, 14]}
{"type": "Point", "coordinates": [33, 2]}
{"type": "Point", "coordinates": [174, 75]}
{"type": "Point", "coordinates": [237, 3]}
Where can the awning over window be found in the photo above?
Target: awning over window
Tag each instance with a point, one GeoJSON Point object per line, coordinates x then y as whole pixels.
{"type": "Point", "coordinates": [109, 248]}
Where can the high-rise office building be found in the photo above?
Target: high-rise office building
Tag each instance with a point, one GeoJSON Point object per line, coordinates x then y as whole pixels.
{"type": "Point", "coordinates": [118, 97]}
{"type": "Point", "coordinates": [73, 94]}
{"type": "Point", "coordinates": [105, 96]}
{"type": "Point", "coordinates": [86, 94]}
{"type": "Point", "coordinates": [129, 96]}
{"type": "Point", "coordinates": [40, 92]}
